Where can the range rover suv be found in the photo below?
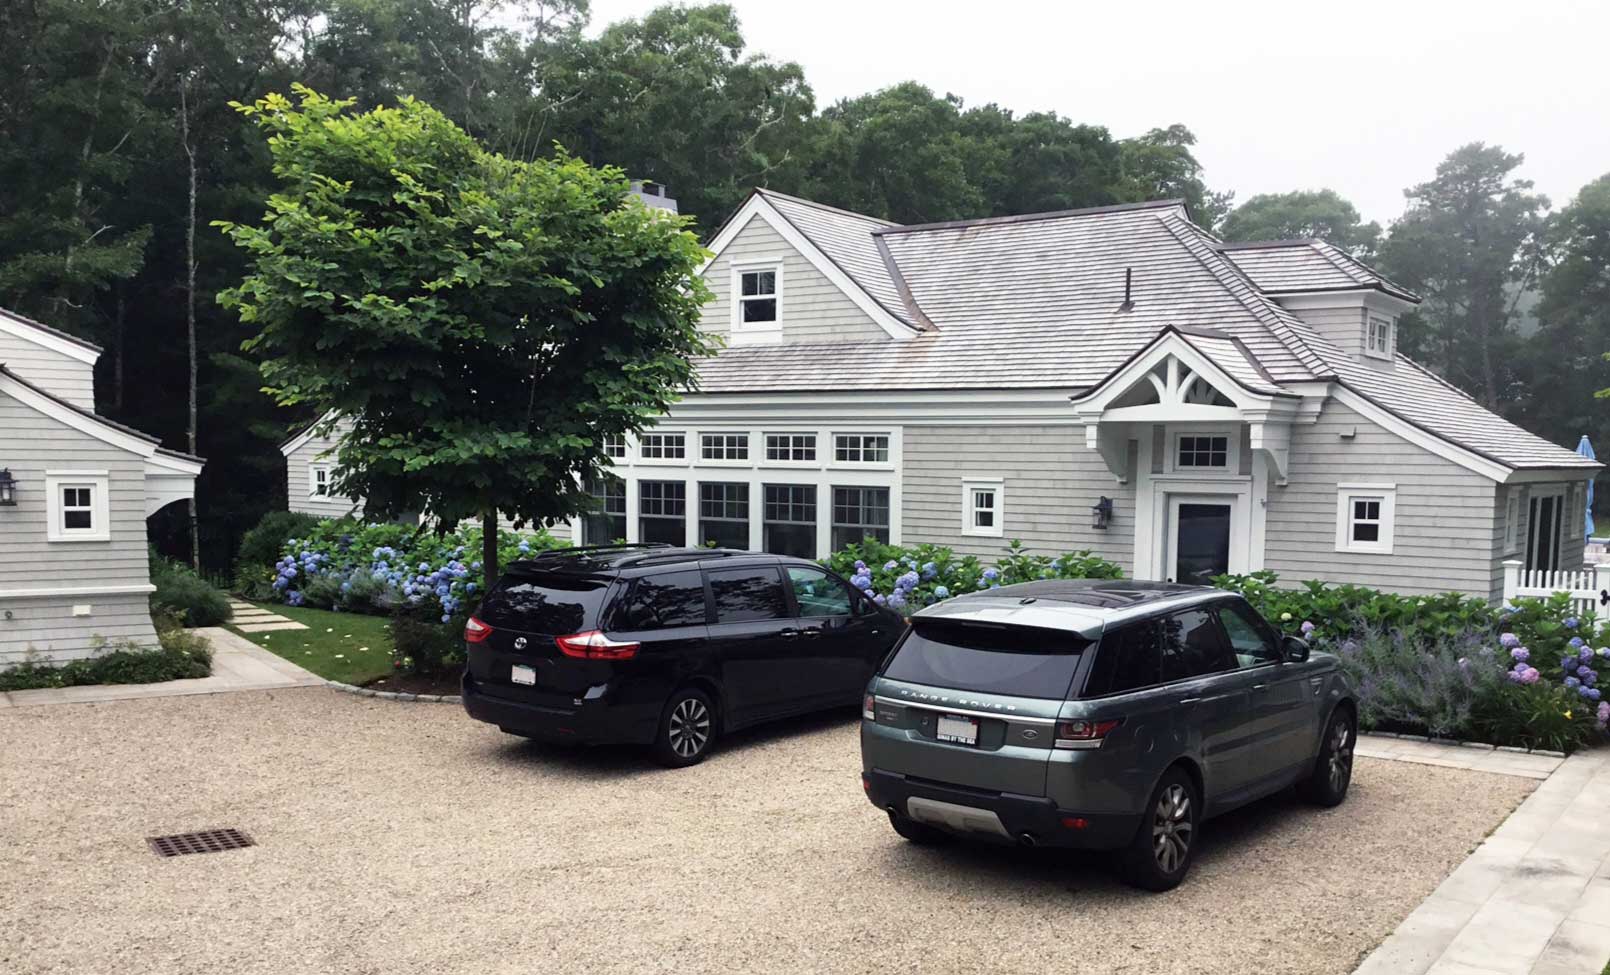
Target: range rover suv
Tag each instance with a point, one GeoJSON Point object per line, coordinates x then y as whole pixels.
{"type": "Point", "coordinates": [1106, 715]}
{"type": "Point", "coordinates": [667, 647]}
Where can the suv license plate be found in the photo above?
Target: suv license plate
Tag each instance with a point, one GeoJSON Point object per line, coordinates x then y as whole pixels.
{"type": "Point", "coordinates": [954, 727]}
{"type": "Point", "coordinates": [521, 674]}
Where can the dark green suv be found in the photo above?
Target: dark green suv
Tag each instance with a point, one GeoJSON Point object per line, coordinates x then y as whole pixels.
{"type": "Point", "coordinates": [1099, 715]}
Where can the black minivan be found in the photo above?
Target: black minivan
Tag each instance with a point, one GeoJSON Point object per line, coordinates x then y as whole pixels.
{"type": "Point", "coordinates": [667, 647]}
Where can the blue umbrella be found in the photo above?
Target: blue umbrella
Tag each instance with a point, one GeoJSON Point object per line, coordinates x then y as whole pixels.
{"type": "Point", "coordinates": [1586, 449]}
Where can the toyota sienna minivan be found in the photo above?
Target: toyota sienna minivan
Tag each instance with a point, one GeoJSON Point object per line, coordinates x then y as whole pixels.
{"type": "Point", "coordinates": [1104, 715]}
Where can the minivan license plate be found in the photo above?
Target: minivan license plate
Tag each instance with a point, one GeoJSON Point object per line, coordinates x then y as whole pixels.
{"type": "Point", "coordinates": [522, 674]}
{"type": "Point", "coordinates": [953, 727]}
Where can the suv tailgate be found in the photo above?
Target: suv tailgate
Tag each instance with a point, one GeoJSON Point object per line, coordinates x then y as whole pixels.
{"type": "Point", "coordinates": [527, 611]}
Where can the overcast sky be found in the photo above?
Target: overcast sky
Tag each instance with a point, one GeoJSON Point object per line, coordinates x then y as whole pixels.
{"type": "Point", "coordinates": [1364, 97]}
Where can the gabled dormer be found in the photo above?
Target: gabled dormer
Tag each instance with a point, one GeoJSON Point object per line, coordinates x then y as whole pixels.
{"type": "Point", "coordinates": [1346, 301]}
{"type": "Point", "coordinates": [62, 365]}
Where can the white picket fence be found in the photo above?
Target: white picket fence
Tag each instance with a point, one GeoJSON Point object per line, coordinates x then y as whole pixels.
{"type": "Point", "coordinates": [1584, 585]}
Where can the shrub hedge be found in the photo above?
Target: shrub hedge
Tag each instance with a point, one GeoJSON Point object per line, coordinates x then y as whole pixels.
{"type": "Point", "coordinates": [179, 654]}
{"type": "Point", "coordinates": [186, 595]}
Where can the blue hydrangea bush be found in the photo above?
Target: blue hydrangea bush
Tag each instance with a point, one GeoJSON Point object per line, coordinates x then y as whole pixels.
{"type": "Point", "coordinates": [349, 565]}
{"type": "Point", "coordinates": [907, 578]}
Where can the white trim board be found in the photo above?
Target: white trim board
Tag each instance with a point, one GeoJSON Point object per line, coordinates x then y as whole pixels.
{"type": "Point", "coordinates": [134, 590]}
{"type": "Point", "coordinates": [757, 206]}
{"type": "Point", "coordinates": [296, 443]}
{"type": "Point", "coordinates": [55, 343]}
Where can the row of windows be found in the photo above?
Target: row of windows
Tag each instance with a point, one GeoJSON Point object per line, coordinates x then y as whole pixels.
{"type": "Point", "coordinates": [788, 515]}
{"type": "Point", "coordinates": [736, 595]}
{"type": "Point", "coordinates": [848, 448]}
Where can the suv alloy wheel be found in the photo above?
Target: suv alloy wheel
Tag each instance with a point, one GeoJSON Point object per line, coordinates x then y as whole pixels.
{"type": "Point", "coordinates": [1161, 853]}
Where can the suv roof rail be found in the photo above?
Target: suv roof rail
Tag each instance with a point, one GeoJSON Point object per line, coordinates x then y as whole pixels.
{"type": "Point", "coordinates": [681, 554]}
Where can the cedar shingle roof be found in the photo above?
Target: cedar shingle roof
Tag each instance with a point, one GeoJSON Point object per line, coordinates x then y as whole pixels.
{"type": "Point", "coordinates": [1037, 302]}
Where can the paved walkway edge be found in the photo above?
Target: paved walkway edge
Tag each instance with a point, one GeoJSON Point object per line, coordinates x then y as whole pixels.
{"type": "Point", "coordinates": [1533, 899]}
{"type": "Point", "coordinates": [237, 665]}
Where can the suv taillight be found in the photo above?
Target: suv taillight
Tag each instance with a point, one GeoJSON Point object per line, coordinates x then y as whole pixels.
{"type": "Point", "coordinates": [594, 645]}
{"type": "Point", "coordinates": [1084, 734]}
{"type": "Point", "coordinates": [869, 709]}
{"type": "Point", "coordinates": [475, 631]}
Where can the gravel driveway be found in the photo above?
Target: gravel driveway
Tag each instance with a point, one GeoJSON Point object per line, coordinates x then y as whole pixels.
{"type": "Point", "coordinates": [404, 838]}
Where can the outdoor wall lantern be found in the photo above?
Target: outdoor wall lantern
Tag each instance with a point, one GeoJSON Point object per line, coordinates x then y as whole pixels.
{"type": "Point", "coordinates": [8, 488]}
{"type": "Point", "coordinates": [1101, 513]}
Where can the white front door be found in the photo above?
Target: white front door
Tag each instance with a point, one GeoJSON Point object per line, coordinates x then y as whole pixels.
{"type": "Point", "coordinates": [1200, 531]}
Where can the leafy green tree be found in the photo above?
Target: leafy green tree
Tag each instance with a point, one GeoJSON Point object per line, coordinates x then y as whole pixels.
{"type": "Point", "coordinates": [1160, 166]}
{"type": "Point", "coordinates": [1039, 162]}
{"type": "Point", "coordinates": [673, 97]}
{"type": "Point", "coordinates": [1566, 365]}
{"type": "Point", "coordinates": [72, 129]}
{"type": "Point", "coordinates": [1317, 214]}
{"type": "Point", "coordinates": [482, 321]}
{"type": "Point", "coordinates": [1471, 243]}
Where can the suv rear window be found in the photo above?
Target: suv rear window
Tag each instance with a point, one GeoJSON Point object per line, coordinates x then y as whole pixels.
{"type": "Point", "coordinates": [549, 603]}
{"type": "Point", "coordinates": [1020, 661]}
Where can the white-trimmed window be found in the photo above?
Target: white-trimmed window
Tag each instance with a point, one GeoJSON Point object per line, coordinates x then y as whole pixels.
{"type": "Point", "coordinates": [615, 446]}
{"type": "Point", "coordinates": [77, 503]}
{"type": "Point", "coordinates": [1364, 517]}
{"type": "Point", "coordinates": [791, 447]}
{"type": "Point", "coordinates": [859, 513]}
{"type": "Point", "coordinates": [983, 507]}
{"type": "Point", "coordinates": [662, 446]}
{"type": "Point", "coordinates": [1201, 452]}
{"type": "Point", "coordinates": [1378, 337]}
{"type": "Point", "coordinates": [318, 481]}
{"type": "Point", "coordinates": [1512, 522]}
{"type": "Point", "coordinates": [758, 293]}
{"type": "Point", "coordinates": [724, 446]}
{"type": "Point", "coordinates": [861, 448]}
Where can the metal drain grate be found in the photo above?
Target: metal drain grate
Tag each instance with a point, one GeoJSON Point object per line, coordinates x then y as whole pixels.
{"type": "Point", "coordinates": [207, 841]}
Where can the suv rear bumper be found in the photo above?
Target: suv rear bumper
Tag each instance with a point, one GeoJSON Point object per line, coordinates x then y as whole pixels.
{"type": "Point", "coordinates": [949, 807]}
{"type": "Point", "coordinates": [594, 722]}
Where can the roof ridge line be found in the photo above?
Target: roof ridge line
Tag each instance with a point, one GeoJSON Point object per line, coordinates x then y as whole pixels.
{"type": "Point", "coordinates": [1261, 311]}
{"type": "Point", "coordinates": [1032, 217]}
{"type": "Point", "coordinates": [1252, 245]}
{"type": "Point", "coordinates": [763, 191]}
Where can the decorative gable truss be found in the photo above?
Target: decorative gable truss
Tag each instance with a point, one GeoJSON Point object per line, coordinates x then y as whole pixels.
{"type": "Point", "coordinates": [1192, 376]}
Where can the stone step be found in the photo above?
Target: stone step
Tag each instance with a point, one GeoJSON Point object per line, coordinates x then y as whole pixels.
{"type": "Point", "coordinates": [269, 627]}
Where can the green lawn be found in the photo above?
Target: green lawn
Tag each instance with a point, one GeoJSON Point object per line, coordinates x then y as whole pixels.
{"type": "Point", "coordinates": [346, 647]}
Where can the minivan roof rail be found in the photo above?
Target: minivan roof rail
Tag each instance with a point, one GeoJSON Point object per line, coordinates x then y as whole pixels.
{"type": "Point", "coordinates": [554, 553]}
{"type": "Point", "coordinates": [681, 554]}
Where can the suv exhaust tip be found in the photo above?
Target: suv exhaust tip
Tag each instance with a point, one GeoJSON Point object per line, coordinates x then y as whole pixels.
{"type": "Point", "coordinates": [1026, 839]}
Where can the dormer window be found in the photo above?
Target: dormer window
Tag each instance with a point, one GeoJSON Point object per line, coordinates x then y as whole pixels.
{"type": "Point", "coordinates": [1378, 337]}
{"type": "Point", "coordinates": [758, 290]}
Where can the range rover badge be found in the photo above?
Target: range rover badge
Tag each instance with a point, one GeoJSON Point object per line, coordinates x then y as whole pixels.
{"type": "Point", "coordinates": [1030, 734]}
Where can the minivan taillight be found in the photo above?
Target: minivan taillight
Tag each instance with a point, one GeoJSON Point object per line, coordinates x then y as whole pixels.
{"type": "Point", "coordinates": [475, 631]}
{"type": "Point", "coordinates": [1085, 734]}
{"type": "Point", "coordinates": [594, 645]}
{"type": "Point", "coordinates": [869, 708]}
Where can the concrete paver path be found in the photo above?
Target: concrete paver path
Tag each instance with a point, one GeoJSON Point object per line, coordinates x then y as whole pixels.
{"type": "Point", "coordinates": [1533, 899]}
{"type": "Point", "coordinates": [255, 619]}
{"type": "Point", "coordinates": [237, 665]}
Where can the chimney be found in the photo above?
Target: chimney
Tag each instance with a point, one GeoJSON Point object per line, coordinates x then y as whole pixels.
{"type": "Point", "coordinates": [651, 195]}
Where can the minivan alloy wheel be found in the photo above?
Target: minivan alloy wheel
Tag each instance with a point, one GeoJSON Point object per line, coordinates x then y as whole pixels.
{"type": "Point", "coordinates": [1341, 755]}
{"type": "Point", "coordinates": [690, 727]}
{"type": "Point", "coordinates": [1171, 828]}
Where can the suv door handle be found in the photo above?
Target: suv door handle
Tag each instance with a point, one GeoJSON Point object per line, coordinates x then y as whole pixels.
{"type": "Point", "coordinates": [1259, 687]}
{"type": "Point", "coordinates": [811, 631]}
{"type": "Point", "coordinates": [789, 634]}
{"type": "Point", "coordinates": [1190, 700]}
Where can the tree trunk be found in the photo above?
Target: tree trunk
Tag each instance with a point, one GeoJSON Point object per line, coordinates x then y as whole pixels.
{"type": "Point", "coordinates": [118, 347]}
{"type": "Point", "coordinates": [489, 548]}
{"type": "Point", "coordinates": [190, 303]}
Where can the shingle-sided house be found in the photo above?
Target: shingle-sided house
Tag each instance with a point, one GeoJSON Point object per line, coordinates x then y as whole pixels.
{"type": "Point", "coordinates": [73, 556]}
{"type": "Point", "coordinates": [1114, 379]}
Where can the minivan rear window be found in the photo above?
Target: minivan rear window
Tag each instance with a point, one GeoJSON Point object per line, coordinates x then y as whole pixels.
{"type": "Point", "coordinates": [550, 603]}
{"type": "Point", "coordinates": [1020, 661]}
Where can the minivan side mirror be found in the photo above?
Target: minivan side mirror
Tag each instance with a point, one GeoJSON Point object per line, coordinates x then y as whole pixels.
{"type": "Point", "coordinates": [1293, 649]}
